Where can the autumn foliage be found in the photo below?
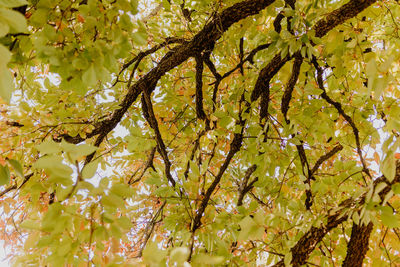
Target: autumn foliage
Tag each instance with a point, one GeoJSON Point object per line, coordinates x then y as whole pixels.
{"type": "Point", "coordinates": [200, 133]}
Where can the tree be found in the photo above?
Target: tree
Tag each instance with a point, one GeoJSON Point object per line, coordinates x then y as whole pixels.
{"type": "Point", "coordinates": [229, 132]}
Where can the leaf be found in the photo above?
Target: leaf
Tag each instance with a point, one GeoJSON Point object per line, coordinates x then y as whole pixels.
{"type": "Point", "coordinates": [17, 167]}
{"type": "Point", "coordinates": [89, 76]}
{"type": "Point", "coordinates": [396, 188]}
{"type": "Point", "coordinates": [90, 169]}
{"type": "Point", "coordinates": [288, 259]}
{"type": "Point", "coordinates": [124, 223]}
{"type": "Point", "coordinates": [30, 224]}
{"type": "Point", "coordinates": [4, 175]}
{"type": "Point", "coordinates": [179, 255]}
{"type": "Point", "coordinates": [12, 3]}
{"type": "Point", "coordinates": [203, 259]}
{"type": "Point", "coordinates": [139, 38]}
{"type": "Point", "coordinates": [388, 218]}
{"type": "Point", "coordinates": [152, 255]}
{"type": "Point", "coordinates": [53, 165]}
{"type": "Point", "coordinates": [49, 147]}
{"type": "Point", "coordinates": [112, 200]}
{"type": "Point", "coordinates": [77, 151]}
{"type": "Point", "coordinates": [249, 229]}
{"type": "Point", "coordinates": [388, 167]}
{"type": "Point", "coordinates": [15, 20]}
{"type": "Point", "coordinates": [121, 190]}
{"type": "Point", "coordinates": [6, 81]}
{"type": "Point", "coordinates": [4, 28]}
{"type": "Point", "coordinates": [39, 17]}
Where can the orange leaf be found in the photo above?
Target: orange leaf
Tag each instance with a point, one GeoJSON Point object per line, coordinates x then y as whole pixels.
{"type": "Point", "coordinates": [376, 157]}
{"type": "Point", "coordinates": [80, 18]}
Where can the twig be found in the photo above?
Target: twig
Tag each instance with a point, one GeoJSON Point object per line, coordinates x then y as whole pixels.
{"type": "Point", "coordinates": [148, 113]}
{"type": "Point", "coordinates": [340, 110]}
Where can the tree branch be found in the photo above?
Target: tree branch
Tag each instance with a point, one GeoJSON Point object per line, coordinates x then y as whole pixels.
{"type": "Point", "coordinates": [307, 243]}
{"type": "Point", "coordinates": [358, 245]}
{"type": "Point", "coordinates": [340, 110]}
{"type": "Point", "coordinates": [245, 186]}
{"type": "Point", "coordinates": [148, 113]}
{"type": "Point", "coordinates": [148, 164]}
{"type": "Point", "coordinates": [199, 87]}
{"type": "Point", "coordinates": [310, 176]}
{"type": "Point", "coordinates": [325, 157]}
{"type": "Point", "coordinates": [211, 32]}
{"type": "Point", "coordinates": [149, 229]}
{"type": "Point", "coordinates": [321, 28]}
{"type": "Point", "coordinates": [287, 95]}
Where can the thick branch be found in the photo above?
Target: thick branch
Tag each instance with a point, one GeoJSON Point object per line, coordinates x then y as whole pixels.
{"type": "Point", "coordinates": [241, 54]}
{"type": "Point", "coordinates": [358, 245]}
{"type": "Point", "coordinates": [307, 243]}
{"type": "Point", "coordinates": [211, 32]}
{"type": "Point", "coordinates": [340, 15]}
{"type": "Point", "coordinates": [306, 172]}
{"type": "Point", "coordinates": [141, 55]}
{"type": "Point", "coordinates": [321, 28]}
{"type": "Point", "coordinates": [287, 95]}
{"type": "Point", "coordinates": [266, 74]}
{"type": "Point", "coordinates": [199, 88]}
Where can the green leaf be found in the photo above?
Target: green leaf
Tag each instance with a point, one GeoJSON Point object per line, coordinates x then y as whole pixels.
{"type": "Point", "coordinates": [90, 169]}
{"type": "Point", "coordinates": [152, 255]}
{"type": "Point", "coordinates": [6, 80]}
{"type": "Point", "coordinates": [388, 167]}
{"type": "Point", "coordinates": [124, 223]}
{"type": "Point", "coordinates": [15, 20]}
{"type": "Point", "coordinates": [122, 190]}
{"type": "Point", "coordinates": [396, 188]}
{"type": "Point", "coordinates": [4, 28]}
{"type": "Point", "coordinates": [388, 218]}
{"type": "Point", "coordinates": [112, 200]}
{"type": "Point", "coordinates": [77, 151]}
{"type": "Point", "coordinates": [49, 147]}
{"type": "Point", "coordinates": [4, 175]}
{"type": "Point", "coordinates": [39, 17]}
{"type": "Point", "coordinates": [179, 255]}
{"type": "Point", "coordinates": [139, 38]}
{"type": "Point", "coordinates": [54, 165]}
{"type": "Point", "coordinates": [249, 229]}
{"type": "Point", "coordinates": [203, 259]}
{"type": "Point", "coordinates": [288, 259]}
{"type": "Point", "coordinates": [17, 167]}
{"type": "Point", "coordinates": [30, 224]}
{"type": "Point", "coordinates": [89, 76]}
{"type": "Point", "coordinates": [12, 3]}
{"type": "Point", "coordinates": [45, 241]}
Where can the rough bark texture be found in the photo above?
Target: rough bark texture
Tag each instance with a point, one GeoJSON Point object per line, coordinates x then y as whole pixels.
{"type": "Point", "coordinates": [338, 16]}
{"type": "Point", "coordinates": [358, 241]}
{"type": "Point", "coordinates": [321, 28]}
{"type": "Point", "coordinates": [358, 245]}
{"type": "Point", "coordinates": [204, 41]}
{"type": "Point", "coordinates": [201, 41]}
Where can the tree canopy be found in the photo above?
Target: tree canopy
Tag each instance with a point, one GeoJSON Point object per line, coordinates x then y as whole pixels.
{"type": "Point", "coordinates": [194, 133]}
